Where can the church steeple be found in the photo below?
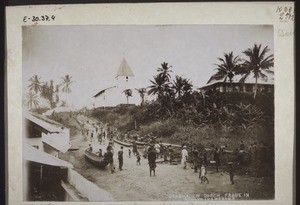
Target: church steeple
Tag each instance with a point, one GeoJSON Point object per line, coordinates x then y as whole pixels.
{"type": "Point", "coordinates": [124, 70]}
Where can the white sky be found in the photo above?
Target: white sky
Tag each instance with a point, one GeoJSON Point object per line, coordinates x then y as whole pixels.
{"type": "Point", "coordinates": [92, 54]}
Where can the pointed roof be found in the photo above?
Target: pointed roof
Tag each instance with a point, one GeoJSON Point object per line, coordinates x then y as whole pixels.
{"type": "Point", "coordinates": [124, 69]}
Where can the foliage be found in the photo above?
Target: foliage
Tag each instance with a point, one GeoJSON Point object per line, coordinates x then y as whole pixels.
{"type": "Point", "coordinates": [46, 90]}
{"type": "Point", "coordinates": [142, 92]}
{"type": "Point", "coordinates": [35, 84]}
{"type": "Point", "coordinates": [227, 68]}
{"type": "Point", "coordinates": [128, 93]}
{"type": "Point", "coordinates": [256, 63]}
{"type": "Point", "coordinates": [32, 100]}
{"type": "Point", "coordinates": [67, 81]}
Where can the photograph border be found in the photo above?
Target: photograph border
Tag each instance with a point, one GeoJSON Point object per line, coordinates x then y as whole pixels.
{"type": "Point", "coordinates": [177, 13]}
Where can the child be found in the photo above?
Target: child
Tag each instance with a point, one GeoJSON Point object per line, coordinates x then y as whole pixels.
{"type": "Point", "coordinates": [129, 152]}
{"type": "Point", "coordinates": [202, 174]}
{"type": "Point", "coordinates": [138, 158]}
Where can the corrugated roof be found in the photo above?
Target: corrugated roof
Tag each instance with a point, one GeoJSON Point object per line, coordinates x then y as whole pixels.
{"type": "Point", "coordinates": [35, 155]}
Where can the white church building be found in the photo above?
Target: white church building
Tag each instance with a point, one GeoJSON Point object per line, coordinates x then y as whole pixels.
{"type": "Point", "coordinates": [114, 95]}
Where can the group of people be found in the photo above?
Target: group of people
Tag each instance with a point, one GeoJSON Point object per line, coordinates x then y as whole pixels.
{"type": "Point", "coordinates": [196, 154]}
{"type": "Point", "coordinates": [200, 158]}
{"type": "Point", "coordinates": [108, 156]}
{"type": "Point", "coordinates": [162, 151]}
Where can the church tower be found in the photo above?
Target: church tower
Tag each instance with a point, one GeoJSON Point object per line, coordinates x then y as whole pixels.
{"type": "Point", "coordinates": [114, 95]}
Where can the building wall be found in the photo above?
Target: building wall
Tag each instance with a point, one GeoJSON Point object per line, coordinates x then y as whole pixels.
{"type": "Point", "coordinates": [50, 150]}
{"type": "Point", "coordinates": [87, 188]}
{"type": "Point", "coordinates": [36, 143]}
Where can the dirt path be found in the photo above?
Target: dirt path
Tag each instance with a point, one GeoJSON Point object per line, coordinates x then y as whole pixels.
{"type": "Point", "coordinates": [171, 182]}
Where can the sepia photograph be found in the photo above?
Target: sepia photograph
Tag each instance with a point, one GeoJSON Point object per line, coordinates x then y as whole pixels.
{"type": "Point", "coordinates": [148, 112]}
{"type": "Point", "coordinates": [165, 103]}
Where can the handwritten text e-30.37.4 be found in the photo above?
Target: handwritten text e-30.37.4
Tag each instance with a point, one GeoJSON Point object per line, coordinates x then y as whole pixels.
{"type": "Point", "coordinates": [38, 18]}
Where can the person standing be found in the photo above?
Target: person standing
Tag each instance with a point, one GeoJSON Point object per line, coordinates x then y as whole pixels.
{"type": "Point", "coordinates": [120, 158]}
{"type": "Point", "coordinates": [129, 153]}
{"type": "Point", "coordinates": [230, 171]}
{"type": "Point", "coordinates": [134, 148]}
{"type": "Point", "coordinates": [217, 158]}
{"type": "Point", "coordinates": [151, 160]}
{"type": "Point", "coordinates": [171, 154]}
{"type": "Point", "coordinates": [184, 156]}
{"type": "Point", "coordinates": [138, 158]}
{"type": "Point", "coordinates": [195, 159]}
{"type": "Point", "coordinates": [110, 159]}
{"type": "Point", "coordinates": [202, 174]}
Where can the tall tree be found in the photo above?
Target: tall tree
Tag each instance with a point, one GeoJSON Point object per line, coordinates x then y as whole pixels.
{"type": "Point", "coordinates": [178, 85]}
{"type": "Point", "coordinates": [142, 92]}
{"type": "Point", "coordinates": [32, 100]}
{"type": "Point", "coordinates": [256, 63]}
{"type": "Point", "coordinates": [128, 93]}
{"type": "Point", "coordinates": [48, 93]}
{"type": "Point", "coordinates": [165, 71]}
{"type": "Point", "coordinates": [161, 86]}
{"type": "Point", "coordinates": [227, 68]}
{"type": "Point", "coordinates": [158, 86]}
{"type": "Point", "coordinates": [67, 81]}
{"type": "Point", "coordinates": [35, 84]}
{"type": "Point", "coordinates": [57, 94]}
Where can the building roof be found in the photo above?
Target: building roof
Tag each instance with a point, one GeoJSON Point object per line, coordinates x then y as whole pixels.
{"type": "Point", "coordinates": [35, 155]}
{"type": "Point", "coordinates": [124, 69]}
{"type": "Point", "coordinates": [57, 142]}
{"type": "Point", "coordinates": [44, 122]}
{"type": "Point", "coordinates": [103, 91]}
{"type": "Point", "coordinates": [249, 80]}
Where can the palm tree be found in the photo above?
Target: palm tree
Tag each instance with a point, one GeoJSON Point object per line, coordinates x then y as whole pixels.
{"type": "Point", "coordinates": [165, 71]}
{"type": "Point", "coordinates": [32, 100]}
{"type": "Point", "coordinates": [142, 92]}
{"type": "Point", "coordinates": [67, 85]}
{"type": "Point", "coordinates": [227, 68]}
{"type": "Point", "coordinates": [256, 64]}
{"type": "Point", "coordinates": [35, 84]}
{"type": "Point", "coordinates": [178, 85]}
{"type": "Point", "coordinates": [128, 93]}
{"type": "Point", "coordinates": [187, 86]}
{"type": "Point", "coordinates": [57, 94]}
{"type": "Point", "coordinates": [158, 85]}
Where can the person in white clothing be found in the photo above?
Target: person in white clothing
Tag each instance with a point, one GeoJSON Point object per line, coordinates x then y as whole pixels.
{"type": "Point", "coordinates": [184, 156]}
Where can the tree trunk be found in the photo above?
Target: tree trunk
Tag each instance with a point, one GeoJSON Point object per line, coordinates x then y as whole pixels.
{"type": "Point", "coordinates": [255, 88]}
